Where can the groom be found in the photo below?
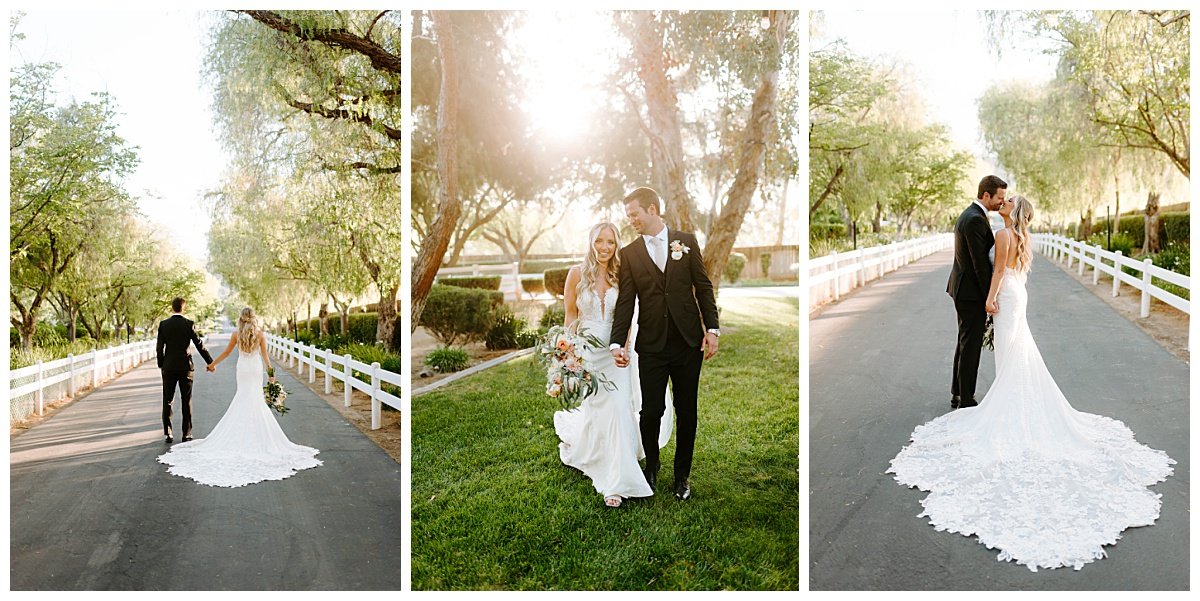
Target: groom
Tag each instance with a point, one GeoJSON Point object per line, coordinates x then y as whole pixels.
{"type": "Point", "coordinates": [970, 281]}
{"type": "Point", "coordinates": [175, 333]}
{"type": "Point", "coordinates": [677, 327]}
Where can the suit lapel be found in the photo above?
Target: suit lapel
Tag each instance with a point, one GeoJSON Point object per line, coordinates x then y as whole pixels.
{"type": "Point", "coordinates": [669, 261]}
{"type": "Point", "coordinates": [639, 250]}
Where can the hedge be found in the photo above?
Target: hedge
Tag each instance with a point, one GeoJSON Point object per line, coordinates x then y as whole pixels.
{"type": "Point", "coordinates": [1173, 228]}
{"type": "Point", "coordinates": [734, 267]}
{"type": "Point", "coordinates": [533, 284]}
{"type": "Point", "coordinates": [482, 282]}
{"type": "Point", "coordinates": [363, 327]}
{"type": "Point", "coordinates": [826, 231]}
{"type": "Point", "coordinates": [555, 280]}
{"type": "Point", "coordinates": [459, 315]}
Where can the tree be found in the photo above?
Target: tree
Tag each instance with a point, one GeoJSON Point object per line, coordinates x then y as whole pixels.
{"type": "Point", "coordinates": [65, 166]}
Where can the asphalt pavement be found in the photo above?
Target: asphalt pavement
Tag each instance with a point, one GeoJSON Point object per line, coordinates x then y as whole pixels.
{"type": "Point", "coordinates": [880, 365]}
{"type": "Point", "coordinates": [92, 509]}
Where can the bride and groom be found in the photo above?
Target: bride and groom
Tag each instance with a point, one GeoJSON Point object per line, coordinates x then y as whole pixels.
{"type": "Point", "coordinates": [1021, 469]}
{"type": "Point", "coordinates": [247, 444]}
{"type": "Point", "coordinates": [661, 273]}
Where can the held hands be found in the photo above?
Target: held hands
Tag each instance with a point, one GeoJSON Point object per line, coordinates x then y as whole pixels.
{"type": "Point", "coordinates": [709, 346]}
{"type": "Point", "coordinates": [211, 367]}
{"type": "Point", "coordinates": [620, 357]}
{"type": "Point", "coordinates": [992, 306]}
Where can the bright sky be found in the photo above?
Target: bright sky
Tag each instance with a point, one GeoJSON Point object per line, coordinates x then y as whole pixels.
{"type": "Point", "coordinates": [150, 62]}
{"type": "Point", "coordinates": [948, 52]}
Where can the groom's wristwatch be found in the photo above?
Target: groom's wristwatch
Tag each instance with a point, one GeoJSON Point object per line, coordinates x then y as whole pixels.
{"type": "Point", "coordinates": [715, 331]}
{"type": "Point", "coordinates": [614, 346]}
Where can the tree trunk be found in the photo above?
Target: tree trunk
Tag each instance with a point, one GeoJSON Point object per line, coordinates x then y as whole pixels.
{"type": "Point", "coordinates": [323, 318]}
{"type": "Point", "coordinates": [662, 109]}
{"type": "Point", "coordinates": [433, 246]}
{"type": "Point", "coordinates": [750, 160]}
{"type": "Point", "coordinates": [72, 315]}
{"type": "Point", "coordinates": [385, 329]}
{"type": "Point", "coordinates": [25, 328]}
{"type": "Point", "coordinates": [1085, 225]}
{"type": "Point", "coordinates": [876, 221]}
{"type": "Point", "coordinates": [1152, 244]}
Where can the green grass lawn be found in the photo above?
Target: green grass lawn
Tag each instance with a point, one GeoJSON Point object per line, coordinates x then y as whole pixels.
{"type": "Point", "coordinates": [494, 508]}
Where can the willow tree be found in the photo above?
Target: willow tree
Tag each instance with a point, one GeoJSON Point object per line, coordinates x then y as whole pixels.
{"type": "Point", "coordinates": [302, 95]}
{"type": "Point", "coordinates": [66, 165]}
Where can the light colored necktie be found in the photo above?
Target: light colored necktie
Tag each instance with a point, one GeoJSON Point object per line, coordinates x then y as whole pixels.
{"type": "Point", "coordinates": [660, 254]}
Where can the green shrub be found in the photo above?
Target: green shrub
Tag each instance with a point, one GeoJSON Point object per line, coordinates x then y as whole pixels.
{"type": "Point", "coordinates": [533, 284]}
{"type": "Point", "coordinates": [554, 315]}
{"type": "Point", "coordinates": [483, 282]}
{"type": "Point", "coordinates": [496, 298]}
{"type": "Point", "coordinates": [539, 265]}
{"type": "Point", "coordinates": [555, 280]}
{"type": "Point", "coordinates": [764, 261]}
{"type": "Point", "coordinates": [1121, 242]}
{"type": "Point", "coordinates": [504, 330]}
{"type": "Point", "coordinates": [734, 267]}
{"type": "Point", "coordinates": [1177, 258]}
{"type": "Point", "coordinates": [458, 315]}
{"type": "Point", "coordinates": [305, 336]}
{"type": "Point", "coordinates": [1176, 228]}
{"type": "Point", "coordinates": [446, 359]}
{"type": "Point", "coordinates": [826, 231]}
{"type": "Point", "coordinates": [362, 326]}
{"type": "Point", "coordinates": [45, 335]}
{"type": "Point", "coordinates": [529, 338]}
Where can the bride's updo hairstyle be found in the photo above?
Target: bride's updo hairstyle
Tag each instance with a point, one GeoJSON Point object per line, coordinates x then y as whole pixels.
{"type": "Point", "coordinates": [592, 271]}
{"type": "Point", "coordinates": [1022, 214]}
{"type": "Point", "coordinates": [247, 330]}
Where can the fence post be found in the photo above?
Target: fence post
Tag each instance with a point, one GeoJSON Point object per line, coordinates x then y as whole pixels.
{"type": "Point", "coordinates": [1082, 254]}
{"type": "Point", "coordinates": [1096, 267]}
{"type": "Point", "coordinates": [837, 278]}
{"type": "Point", "coordinates": [71, 375]}
{"type": "Point", "coordinates": [328, 371]}
{"type": "Point", "coordinates": [862, 269]}
{"type": "Point", "coordinates": [516, 275]}
{"type": "Point", "coordinates": [40, 396]}
{"type": "Point", "coordinates": [1146, 287]}
{"type": "Point", "coordinates": [375, 408]}
{"type": "Point", "coordinates": [349, 378]}
{"type": "Point", "coordinates": [312, 367]}
{"type": "Point", "coordinates": [1117, 274]}
{"type": "Point", "coordinates": [95, 367]}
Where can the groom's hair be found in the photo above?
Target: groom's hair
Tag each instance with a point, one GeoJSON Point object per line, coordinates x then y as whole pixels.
{"type": "Point", "coordinates": [990, 184]}
{"type": "Point", "coordinates": [177, 304]}
{"type": "Point", "coordinates": [646, 198]}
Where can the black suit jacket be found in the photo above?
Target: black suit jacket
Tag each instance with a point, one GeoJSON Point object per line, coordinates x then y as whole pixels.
{"type": "Point", "coordinates": [683, 295]}
{"type": "Point", "coordinates": [175, 333]}
{"type": "Point", "coordinates": [971, 275]}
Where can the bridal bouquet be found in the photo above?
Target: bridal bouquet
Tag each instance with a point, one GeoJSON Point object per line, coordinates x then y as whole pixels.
{"type": "Point", "coordinates": [275, 394]}
{"type": "Point", "coordinates": [567, 378]}
{"type": "Point", "coordinates": [989, 336]}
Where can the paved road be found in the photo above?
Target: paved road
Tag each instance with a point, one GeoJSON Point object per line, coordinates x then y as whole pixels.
{"type": "Point", "coordinates": [880, 366]}
{"type": "Point", "coordinates": [91, 508]}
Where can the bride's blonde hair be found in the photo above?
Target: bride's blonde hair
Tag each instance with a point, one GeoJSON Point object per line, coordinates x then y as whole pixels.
{"type": "Point", "coordinates": [591, 271]}
{"type": "Point", "coordinates": [1022, 214]}
{"type": "Point", "coordinates": [247, 330]}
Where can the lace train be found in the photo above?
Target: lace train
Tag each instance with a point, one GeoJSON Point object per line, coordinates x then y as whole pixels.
{"type": "Point", "coordinates": [1025, 472]}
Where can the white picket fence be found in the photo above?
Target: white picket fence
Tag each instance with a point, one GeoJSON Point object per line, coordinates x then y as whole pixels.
{"type": "Point", "coordinates": [510, 277]}
{"type": "Point", "coordinates": [342, 368]}
{"type": "Point", "coordinates": [1080, 254]}
{"type": "Point", "coordinates": [835, 274]}
{"type": "Point", "coordinates": [31, 388]}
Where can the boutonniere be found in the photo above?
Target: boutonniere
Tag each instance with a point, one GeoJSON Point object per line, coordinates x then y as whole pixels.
{"type": "Point", "coordinates": [678, 249]}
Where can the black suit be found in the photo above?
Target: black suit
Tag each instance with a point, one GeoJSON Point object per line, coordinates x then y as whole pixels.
{"type": "Point", "coordinates": [674, 310]}
{"type": "Point", "coordinates": [175, 334]}
{"type": "Point", "coordinates": [970, 281]}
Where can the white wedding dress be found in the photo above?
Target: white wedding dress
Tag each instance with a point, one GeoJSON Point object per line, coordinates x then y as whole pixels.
{"type": "Point", "coordinates": [601, 438]}
{"type": "Point", "coordinates": [1025, 472]}
{"type": "Point", "coordinates": [247, 445]}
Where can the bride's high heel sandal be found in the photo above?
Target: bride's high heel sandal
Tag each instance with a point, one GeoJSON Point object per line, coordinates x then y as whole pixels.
{"type": "Point", "coordinates": [613, 501]}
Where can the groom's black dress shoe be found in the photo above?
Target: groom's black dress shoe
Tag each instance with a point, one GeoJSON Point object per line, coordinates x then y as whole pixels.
{"type": "Point", "coordinates": [170, 440]}
{"type": "Point", "coordinates": [651, 474]}
{"type": "Point", "coordinates": [187, 438]}
{"type": "Point", "coordinates": [683, 491]}
{"type": "Point", "coordinates": [968, 403]}
{"type": "Point", "coordinates": [954, 402]}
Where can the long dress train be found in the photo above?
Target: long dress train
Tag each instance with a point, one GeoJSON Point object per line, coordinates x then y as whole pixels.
{"type": "Point", "coordinates": [1024, 471]}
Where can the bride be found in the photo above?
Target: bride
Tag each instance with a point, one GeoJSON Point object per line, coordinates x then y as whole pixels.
{"type": "Point", "coordinates": [1025, 472]}
{"type": "Point", "coordinates": [601, 438]}
{"type": "Point", "coordinates": [247, 445]}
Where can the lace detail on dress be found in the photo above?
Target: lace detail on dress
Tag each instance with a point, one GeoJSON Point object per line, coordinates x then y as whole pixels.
{"type": "Point", "coordinates": [594, 309]}
{"type": "Point", "coordinates": [1024, 471]}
